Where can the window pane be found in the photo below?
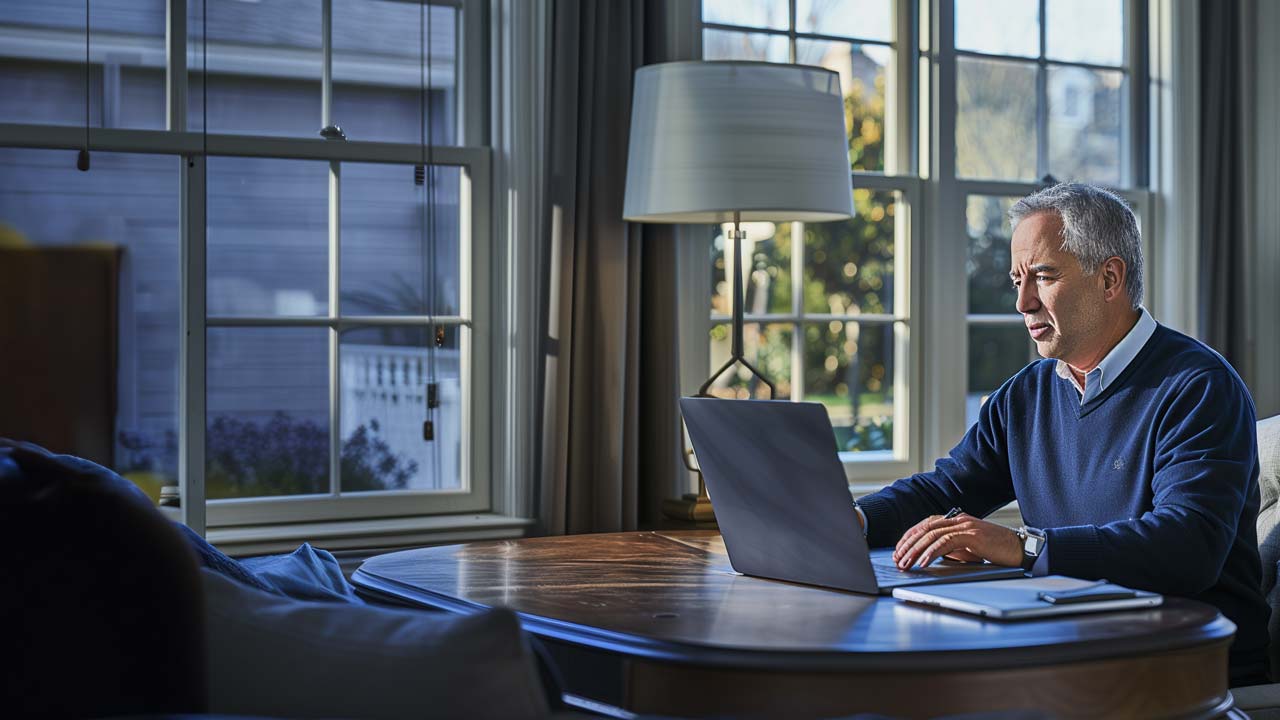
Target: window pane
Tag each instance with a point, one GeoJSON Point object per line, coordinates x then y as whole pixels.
{"type": "Point", "coordinates": [996, 353]}
{"type": "Point", "coordinates": [385, 255]}
{"type": "Point", "coordinates": [42, 63]}
{"type": "Point", "coordinates": [268, 412]}
{"type": "Point", "coordinates": [848, 266]}
{"type": "Point", "coordinates": [768, 285]}
{"type": "Point", "coordinates": [766, 347]}
{"type": "Point", "coordinates": [264, 64]}
{"type": "Point", "coordinates": [265, 216]}
{"type": "Point", "coordinates": [865, 19]}
{"type": "Point", "coordinates": [999, 27]}
{"type": "Point", "coordinates": [1090, 31]}
{"type": "Point", "coordinates": [1085, 134]}
{"type": "Point", "coordinates": [378, 70]}
{"type": "Point", "coordinates": [848, 367]}
{"type": "Point", "coordinates": [56, 216]}
{"type": "Point", "coordinates": [725, 45]}
{"type": "Point", "coordinates": [990, 290]}
{"type": "Point", "coordinates": [862, 78]}
{"type": "Point", "coordinates": [770, 14]}
{"type": "Point", "coordinates": [995, 119]}
{"type": "Point", "coordinates": [384, 376]}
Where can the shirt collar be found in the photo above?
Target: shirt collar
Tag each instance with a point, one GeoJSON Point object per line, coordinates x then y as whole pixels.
{"type": "Point", "coordinates": [1115, 362]}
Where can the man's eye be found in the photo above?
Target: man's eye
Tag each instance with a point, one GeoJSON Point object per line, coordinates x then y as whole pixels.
{"type": "Point", "coordinates": [1043, 278]}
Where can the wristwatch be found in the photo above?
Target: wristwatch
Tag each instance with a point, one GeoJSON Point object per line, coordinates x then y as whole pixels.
{"type": "Point", "coordinates": [1033, 542]}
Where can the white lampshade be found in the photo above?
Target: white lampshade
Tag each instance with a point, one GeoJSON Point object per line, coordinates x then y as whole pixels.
{"type": "Point", "coordinates": [712, 138]}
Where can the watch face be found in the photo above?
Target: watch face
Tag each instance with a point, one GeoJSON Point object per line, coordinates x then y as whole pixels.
{"type": "Point", "coordinates": [1032, 544]}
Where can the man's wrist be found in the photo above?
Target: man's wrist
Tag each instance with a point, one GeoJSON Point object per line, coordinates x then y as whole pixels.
{"type": "Point", "coordinates": [1033, 542]}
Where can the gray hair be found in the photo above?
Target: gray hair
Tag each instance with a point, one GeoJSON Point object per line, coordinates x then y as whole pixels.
{"type": "Point", "coordinates": [1096, 225]}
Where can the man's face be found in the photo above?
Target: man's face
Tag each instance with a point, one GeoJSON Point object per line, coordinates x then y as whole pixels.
{"type": "Point", "coordinates": [1061, 306]}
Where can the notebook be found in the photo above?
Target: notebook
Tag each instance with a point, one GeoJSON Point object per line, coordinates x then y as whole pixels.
{"type": "Point", "coordinates": [1030, 597]}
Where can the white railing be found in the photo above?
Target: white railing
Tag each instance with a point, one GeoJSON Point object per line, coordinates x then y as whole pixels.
{"type": "Point", "coordinates": [388, 385]}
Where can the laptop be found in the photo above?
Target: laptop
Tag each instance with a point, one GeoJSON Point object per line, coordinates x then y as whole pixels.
{"type": "Point", "coordinates": [783, 504]}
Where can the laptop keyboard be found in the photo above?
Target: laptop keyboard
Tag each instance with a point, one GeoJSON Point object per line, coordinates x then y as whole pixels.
{"type": "Point", "coordinates": [886, 574]}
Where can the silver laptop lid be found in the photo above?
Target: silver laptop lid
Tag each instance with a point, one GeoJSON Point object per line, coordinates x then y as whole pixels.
{"type": "Point", "coordinates": [779, 491]}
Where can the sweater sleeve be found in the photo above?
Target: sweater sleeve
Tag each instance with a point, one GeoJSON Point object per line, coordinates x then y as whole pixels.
{"type": "Point", "coordinates": [974, 477]}
{"type": "Point", "coordinates": [1205, 460]}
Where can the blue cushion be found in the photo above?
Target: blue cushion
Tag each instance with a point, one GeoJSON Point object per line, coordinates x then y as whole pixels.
{"type": "Point", "coordinates": [304, 574]}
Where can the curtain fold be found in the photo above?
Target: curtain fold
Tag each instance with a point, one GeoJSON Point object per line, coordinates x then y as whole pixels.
{"type": "Point", "coordinates": [1222, 302]}
{"type": "Point", "coordinates": [610, 442]}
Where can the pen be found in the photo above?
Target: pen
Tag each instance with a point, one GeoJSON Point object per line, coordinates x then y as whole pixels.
{"type": "Point", "coordinates": [953, 512]}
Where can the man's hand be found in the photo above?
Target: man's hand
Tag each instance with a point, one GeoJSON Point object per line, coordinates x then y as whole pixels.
{"type": "Point", "coordinates": [963, 537]}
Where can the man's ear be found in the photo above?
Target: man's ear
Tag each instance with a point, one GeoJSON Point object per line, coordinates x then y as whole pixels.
{"type": "Point", "coordinates": [1114, 273]}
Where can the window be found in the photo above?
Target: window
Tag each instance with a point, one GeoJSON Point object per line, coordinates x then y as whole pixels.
{"type": "Point", "coordinates": [829, 308]}
{"type": "Point", "coordinates": [1044, 90]}
{"type": "Point", "coordinates": [955, 109]}
{"type": "Point", "coordinates": [288, 303]}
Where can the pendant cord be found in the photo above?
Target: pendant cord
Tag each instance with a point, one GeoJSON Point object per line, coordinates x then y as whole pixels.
{"type": "Point", "coordinates": [86, 75]}
{"type": "Point", "coordinates": [82, 158]}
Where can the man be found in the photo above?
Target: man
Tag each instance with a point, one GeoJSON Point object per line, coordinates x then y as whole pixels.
{"type": "Point", "coordinates": [1131, 448]}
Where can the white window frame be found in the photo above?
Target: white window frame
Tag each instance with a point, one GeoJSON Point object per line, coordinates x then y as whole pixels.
{"type": "Point", "coordinates": [476, 311]}
{"type": "Point", "coordinates": [934, 380]}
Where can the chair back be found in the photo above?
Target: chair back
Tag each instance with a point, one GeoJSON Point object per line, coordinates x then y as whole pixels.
{"type": "Point", "coordinates": [1269, 523]}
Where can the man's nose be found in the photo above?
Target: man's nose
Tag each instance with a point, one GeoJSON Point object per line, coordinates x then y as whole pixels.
{"type": "Point", "coordinates": [1028, 297]}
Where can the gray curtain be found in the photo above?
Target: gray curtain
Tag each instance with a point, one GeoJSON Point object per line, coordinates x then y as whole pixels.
{"type": "Point", "coordinates": [610, 445]}
{"type": "Point", "coordinates": [1223, 272]}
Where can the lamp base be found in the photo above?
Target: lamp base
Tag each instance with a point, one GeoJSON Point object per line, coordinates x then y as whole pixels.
{"type": "Point", "coordinates": [692, 506]}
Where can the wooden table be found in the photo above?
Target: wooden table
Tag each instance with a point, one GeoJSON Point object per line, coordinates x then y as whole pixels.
{"type": "Point", "coordinates": [660, 623]}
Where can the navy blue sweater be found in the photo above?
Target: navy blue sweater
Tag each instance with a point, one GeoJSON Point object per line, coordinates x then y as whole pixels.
{"type": "Point", "coordinates": [1152, 484]}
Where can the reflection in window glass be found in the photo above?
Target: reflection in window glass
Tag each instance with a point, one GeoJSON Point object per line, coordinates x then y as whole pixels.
{"type": "Point", "coordinates": [264, 65]}
{"type": "Point", "coordinates": [268, 412]}
{"type": "Point", "coordinates": [996, 353]}
{"type": "Point", "coordinates": [1086, 108]}
{"type": "Point", "coordinates": [990, 290]}
{"type": "Point", "coordinates": [1088, 31]}
{"type": "Point", "coordinates": [129, 202]}
{"type": "Point", "coordinates": [766, 347]}
{"type": "Point", "coordinates": [862, 79]}
{"type": "Point", "coordinates": [377, 74]}
{"type": "Point", "coordinates": [848, 367]}
{"type": "Point", "coordinates": [863, 19]}
{"type": "Point", "coordinates": [768, 283]}
{"type": "Point", "coordinates": [265, 215]}
{"type": "Point", "coordinates": [384, 374]}
{"type": "Point", "coordinates": [726, 45]}
{"type": "Point", "coordinates": [42, 77]}
{"type": "Point", "coordinates": [998, 27]}
{"type": "Point", "coordinates": [848, 265]}
{"type": "Point", "coordinates": [768, 14]}
{"type": "Point", "coordinates": [385, 254]}
{"type": "Point", "coordinates": [995, 119]}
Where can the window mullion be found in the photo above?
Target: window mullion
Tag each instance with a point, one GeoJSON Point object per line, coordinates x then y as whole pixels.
{"type": "Point", "coordinates": [1042, 101]}
{"type": "Point", "coordinates": [797, 309]}
{"type": "Point", "coordinates": [176, 65]}
{"type": "Point", "coordinates": [791, 31]}
{"type": "Point", "coordinates": [192, 334]}
{"type": "Point", "coordinates": [326, 53]}
{"type": "Point", "coordinates": [335, 334]}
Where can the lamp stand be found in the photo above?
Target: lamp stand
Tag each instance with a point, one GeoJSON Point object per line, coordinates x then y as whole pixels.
{"type": "Point", "coordinates": [736, 236]}
{"type": "Point", "coordinates": [697, 507]}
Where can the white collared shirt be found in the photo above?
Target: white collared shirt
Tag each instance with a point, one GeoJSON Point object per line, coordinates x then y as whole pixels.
{"type": "Point", "coordinates": [1114, 363]}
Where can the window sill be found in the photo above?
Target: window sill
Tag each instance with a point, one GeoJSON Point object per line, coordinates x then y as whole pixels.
{"type": "Point", "coordinates": [381, 533]}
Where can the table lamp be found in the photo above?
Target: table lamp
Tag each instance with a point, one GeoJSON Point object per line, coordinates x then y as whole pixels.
{"type": "Point", "coordinates": [734, 141]}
